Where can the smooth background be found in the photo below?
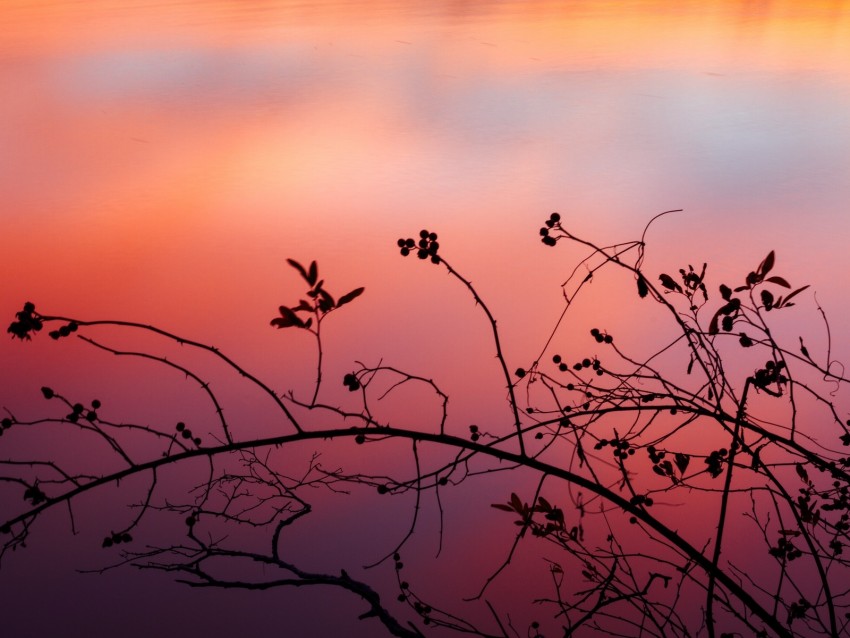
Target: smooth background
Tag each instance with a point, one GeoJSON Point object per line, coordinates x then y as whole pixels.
{"type": "Point", "coordinates": [159, 162]}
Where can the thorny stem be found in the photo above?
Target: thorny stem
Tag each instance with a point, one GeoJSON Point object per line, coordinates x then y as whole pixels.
{"type": "Point", "coordinates": [499, 354]}
{"type": "Point", "coordinates": [195, 344]}
{"type": "Point", "coordinates": [317, 332]}
{"type": "Point", "coordinates": [724, 502]}
{"type": "Point", "coordinates": [612, 497]}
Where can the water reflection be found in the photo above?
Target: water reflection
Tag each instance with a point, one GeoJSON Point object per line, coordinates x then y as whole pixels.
{"type": "Point", "coordinates": [152, 155]}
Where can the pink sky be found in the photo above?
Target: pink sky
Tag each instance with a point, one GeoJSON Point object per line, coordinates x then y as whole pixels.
{"type": "Point", "coordinates": [160, 162]}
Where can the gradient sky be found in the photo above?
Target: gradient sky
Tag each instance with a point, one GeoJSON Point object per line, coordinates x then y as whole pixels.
{"type": "Point", "coordinates": [159, 162]}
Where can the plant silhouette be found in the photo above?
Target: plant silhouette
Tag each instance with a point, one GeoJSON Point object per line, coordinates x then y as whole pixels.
{"type": "Point", "coordinates": [648, 473]}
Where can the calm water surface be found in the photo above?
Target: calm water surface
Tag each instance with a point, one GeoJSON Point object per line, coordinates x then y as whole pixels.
{"type": "Point", "coordinates": [159, 161]}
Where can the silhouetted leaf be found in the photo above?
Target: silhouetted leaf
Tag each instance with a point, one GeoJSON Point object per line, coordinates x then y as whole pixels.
{"type": "Point", "coordinates": [767, 265]}
{"type": "Point", "coordinates": [515, 502]}
{"type": "Point", "coordinates": [643, 289]}
{"type": "Point", "coordinates": [504, 508]}
{"type": "Point", "coordinates": [668, 283]}
{"type": "Point", "coordinates": [287, 318]}
{"type": "Point", "coordinates": [801, 472]}
{"type": "Point", "coordinates": [349, 296]}
{"type": "Point", "coordinates": [733, 306]}
{"type": "Point", "coordinates": [713, 329]}
{"type": "Point", "coordinates": [767, 299]}
{"type": "Point", "coordinates": [725, 292]}
{"type": "Point", "coordinates": [779, 281]}
{"type": "Point", "coordinates": [326, 302]}
{"type": "Point", "coordinates": [752, 279]}
{"type": "Point", "coordinates": [300, 269]}
{"type": "Point", "coordinates": [793, 294]}
{"type": "Point", "coordinates": [313, 275]}
{"type": "Point", "coordinates": [682, 461]}
{"type": "Point", "coordinates": [282, 322]}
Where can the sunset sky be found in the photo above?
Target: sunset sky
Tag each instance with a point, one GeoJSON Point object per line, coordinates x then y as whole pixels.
{"type": "Point", "coordinates": [160, 161]}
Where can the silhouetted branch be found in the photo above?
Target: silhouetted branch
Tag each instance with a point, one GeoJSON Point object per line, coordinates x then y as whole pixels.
{"type": "Point", "coordinates": [623, 450]}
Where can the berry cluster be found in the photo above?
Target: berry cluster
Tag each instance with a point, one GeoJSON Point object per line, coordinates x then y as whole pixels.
{"type": "Point", "coordinates": [350, 381]}
{"type": "Point", "coordinates": [798, 609]}
{"type": "Point", "coordinates": [715, 462]}
{"type": "Point", "coordinates": [64, 331]}
{"type": "Point", "coordinates": [600, 337]}
{"type": "Point", "coordinates": [785, 550]}
{"type": "Point", "coordinates": [622, 449]}
{"type": "Point", "coordinates": [116, 539]}
{"type": "Point", "coordinates": [771, 373]}
{"type": "Point", "coordinates": [404, 585]}
{"type": "Point", "coordinates": [78, 410]}
{"type": "Point", "coordinates": [28, 320]}
{"type": "Point", "coordinates": [553, 220]}
{"type": "Point", "coordinates": [426, 247]}
{"type": "Point", "coordinates": [659, 465]}
{"type": "Point", "coordinates": [579, 365]}
{"type": "Point", "coordinates": [34, 495]}
{"type": "Point", "coordinates": [407, 596]}
{"type": "Point", "coordinates": [186, 433]}
{"type": "Point", "coordinates": [840, 501]}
